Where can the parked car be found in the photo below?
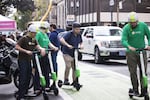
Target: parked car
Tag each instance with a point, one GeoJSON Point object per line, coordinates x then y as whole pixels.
{"type": "Point", "coordinates": [103, 42]}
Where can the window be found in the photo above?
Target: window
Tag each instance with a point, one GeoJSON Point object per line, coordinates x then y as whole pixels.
{"type": "Point", "coordinates": [111, 32]}
{"type": "Point", "coordinates": [86, 32]}
{"type": "Point", "coordinates": [81, 31]}
{"type": "Point", "coordinates": [90, 31]}
{"type": "Point", "coordinates": [115, 32]}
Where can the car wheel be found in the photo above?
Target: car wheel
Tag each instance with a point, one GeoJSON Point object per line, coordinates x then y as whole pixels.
{"type": "Point", "coordinates": [79, 56]}
{"type": "Point", "coordinates": [97, 57]}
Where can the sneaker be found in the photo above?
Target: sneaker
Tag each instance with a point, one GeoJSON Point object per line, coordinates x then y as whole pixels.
{"type": "Point", "coordinates": [66, 82]}
{"type": "Point", "coordinates": [72, 84]}
{"type": "Point", "coordinates": [133, 92]}
{"type": "Point", "coordinates": [136, 93]}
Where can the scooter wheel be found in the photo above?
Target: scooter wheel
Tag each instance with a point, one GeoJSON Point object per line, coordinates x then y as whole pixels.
{"type": "Point", "coordinates": [146, 97]}
{"type": "Point", "coordinates": [130, 92]}
{"type": "Point", "coordinates": [131, 96]}
{"type": "Point", "coordinates": [56, 91]}
{"type": "Point", "coordinates": [77, 86]}
{"type": "Point", "coordinates": [45, 96]}
{"type": "Point", "coordinates": [60, 83]}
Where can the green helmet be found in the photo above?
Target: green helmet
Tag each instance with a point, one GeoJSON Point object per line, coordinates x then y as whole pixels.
{"type": "Point", "coordinates": [132, 17]}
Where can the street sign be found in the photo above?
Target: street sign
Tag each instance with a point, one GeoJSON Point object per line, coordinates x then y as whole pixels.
{"type": "Point", "coordinates": [111, 3]}
{"type": "Point", "coordinates": [120, 5]}
{"type": "Point", "coordinates": [70, 17]}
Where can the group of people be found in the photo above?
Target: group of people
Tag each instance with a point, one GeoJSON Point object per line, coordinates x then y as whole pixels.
{"type": "Point", "coordinates": [42, 40]}
{"type": "Point", "coordinates": [133, 37]}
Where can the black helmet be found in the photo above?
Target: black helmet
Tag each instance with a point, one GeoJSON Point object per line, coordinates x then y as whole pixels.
{"type": "Point", "coordinates": [76, 25]}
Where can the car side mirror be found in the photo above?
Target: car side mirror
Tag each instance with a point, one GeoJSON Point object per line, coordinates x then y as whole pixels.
{"type": "Point", "coordinates": [89, 35]}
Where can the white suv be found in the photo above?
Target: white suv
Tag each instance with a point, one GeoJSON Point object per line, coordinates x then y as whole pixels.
{"type": "Point", "coordinates": [103, 42]}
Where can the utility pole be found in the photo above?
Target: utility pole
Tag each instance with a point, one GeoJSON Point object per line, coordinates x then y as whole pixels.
{"type": "Point", "coordinates": [117, 5]}
{"type": "Point", "coordinates": [111, 4]}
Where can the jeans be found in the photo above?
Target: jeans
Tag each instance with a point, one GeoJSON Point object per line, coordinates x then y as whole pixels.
{"type": "Point", "coordinates": [54, 61]}
{"type": "Point", "coordinates": [24, 77]}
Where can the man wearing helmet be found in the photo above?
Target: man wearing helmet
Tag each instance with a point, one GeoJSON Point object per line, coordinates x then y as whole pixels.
{"type": "Point", "coordinates": [25, 46]}
{"type": "Point", "coordinates": [70, 40]}
{"type": "Point", "coordinates": [43, 40]}
{"type": "Point", "coordinates": [133, 38]}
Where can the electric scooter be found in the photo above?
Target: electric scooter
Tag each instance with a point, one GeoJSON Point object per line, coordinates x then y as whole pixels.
{"type": "Point", "coordinates": [76, 83]}
{"type": "Point", "coordinates": [42, 78]}
{"type": "Point", "coordinates": [144, 77]}
{"type": "Point", "coordinates": [53, 75]}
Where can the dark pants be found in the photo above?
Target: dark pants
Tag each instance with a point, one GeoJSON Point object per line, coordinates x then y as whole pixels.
{"type": "Point", "coordinates": [24, 77]}
{"type": "Point", "coordinates": [133, 60]}
{"type": "Point", "coordinates": [45, 67]}
{"type": "Point", "coordinates": [54, 61]}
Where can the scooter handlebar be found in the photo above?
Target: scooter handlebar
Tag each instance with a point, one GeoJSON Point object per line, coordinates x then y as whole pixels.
{"type": "Point", "coordinates": [38, 52]}
{"type": "Point", "coordinates": [141, 49]}
{"type": "Point", "coordinates": [76, 48]}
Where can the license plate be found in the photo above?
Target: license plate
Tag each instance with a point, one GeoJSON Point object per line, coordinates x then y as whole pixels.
{"type": "Point", "coordinates": [122, 53]}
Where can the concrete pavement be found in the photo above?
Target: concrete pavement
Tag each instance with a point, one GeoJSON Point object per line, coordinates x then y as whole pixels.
{"type": "Point", "coordinates": [98, 84]}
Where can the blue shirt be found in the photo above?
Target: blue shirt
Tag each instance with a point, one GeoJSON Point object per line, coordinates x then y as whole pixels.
{"type": "Point", "coordinates": [73, 40]}
{"type": "Point", "coordinates": [54, 39]}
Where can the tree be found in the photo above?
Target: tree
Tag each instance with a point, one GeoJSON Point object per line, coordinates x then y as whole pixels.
{"type": "Point", "coordinates": [24, 5]}
{"type": "Point", "coordinates": [4, 4]}
{"type": "Point", "coordinates": [23, 18]}
{"type": "Point", "coordinates": [21, 5]}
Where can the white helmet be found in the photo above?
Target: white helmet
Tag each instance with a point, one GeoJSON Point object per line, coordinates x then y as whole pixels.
{"type": "Point", "coordinates": [44, 25]}
{"type": "Point", "coordinates": [32, 28]}
{"type": "Point", "coordinates": [132, 17]}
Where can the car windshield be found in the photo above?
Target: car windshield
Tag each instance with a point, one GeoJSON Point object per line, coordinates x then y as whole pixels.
{"type": "Point", "coordinates": [111, 32]}
{"type": "Point", "coordinates": [81, 31]}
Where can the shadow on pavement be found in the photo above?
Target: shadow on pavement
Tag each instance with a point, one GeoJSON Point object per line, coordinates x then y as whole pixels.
{"type": "Point", "coordinates": [6, 96]}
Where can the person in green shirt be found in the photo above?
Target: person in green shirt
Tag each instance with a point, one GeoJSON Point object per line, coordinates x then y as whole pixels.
{"type": "Point", "coordinates": [43, 40]}
{"type": "Point", "coordinates": [133, 38]}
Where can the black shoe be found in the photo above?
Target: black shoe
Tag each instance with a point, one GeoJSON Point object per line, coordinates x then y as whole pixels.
{"type": "Point", "coordinates": [66, 82]}
{"type": "Point", "coordinates": [136, 93]}
{"type": "Point", "coordinates": [72, 84]}
{"type": "Point", "coordinates": [133, 92]}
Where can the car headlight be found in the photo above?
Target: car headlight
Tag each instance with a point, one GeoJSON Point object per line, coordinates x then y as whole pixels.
{"type": "Point", "coordinates": [105, 44]}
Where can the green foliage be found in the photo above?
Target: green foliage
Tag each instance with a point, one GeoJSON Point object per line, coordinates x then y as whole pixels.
{"type": "Point", "coordinates": [21, 5]}
{"type": "Point", "coordinates": [23, 19]}
{"type": "Point", "coordinates": [24, 10]}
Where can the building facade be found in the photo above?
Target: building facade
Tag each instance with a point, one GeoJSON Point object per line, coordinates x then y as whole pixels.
{"type": "Point", "coordinates": [57, 14]}
{"type": "Point", "coordinates": [99, 12]}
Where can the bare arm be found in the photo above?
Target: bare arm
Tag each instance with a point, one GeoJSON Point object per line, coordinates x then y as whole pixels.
{"type": "Point", "coordinates": [42, 50]}
{"type": "Point", "coordinates": [62, 40]}
{"type": "Point", "coordinates": [23, 50]}
{"type": "Point", "coordinates": [52, 46]}
{"type": "Point", "coordinates": [81, 45]}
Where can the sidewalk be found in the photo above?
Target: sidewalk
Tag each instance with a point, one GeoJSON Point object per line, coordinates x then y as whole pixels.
{"type": "Point", "coordinates": [98, 83]}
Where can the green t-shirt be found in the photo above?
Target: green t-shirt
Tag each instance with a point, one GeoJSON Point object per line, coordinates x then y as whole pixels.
{"type": "Point", "coordinates": [135, 37]}
{"type": "Point", "coordinates": [42, 39]}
